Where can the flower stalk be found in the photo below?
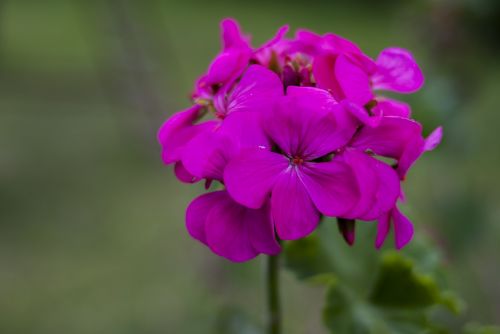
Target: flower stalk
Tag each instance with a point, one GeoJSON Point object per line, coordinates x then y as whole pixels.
{"type": "Point", "coordinates": [273, 295]}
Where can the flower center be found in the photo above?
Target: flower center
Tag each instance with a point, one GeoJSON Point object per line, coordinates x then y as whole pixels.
{"type": "Point", "coordinates": [297, 160]}
{"type": "Point", "coordinates": [220, 115]}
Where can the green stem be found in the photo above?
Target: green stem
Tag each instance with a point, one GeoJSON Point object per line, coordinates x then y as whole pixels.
{"type": "Point", "coordinates": [273, 295]}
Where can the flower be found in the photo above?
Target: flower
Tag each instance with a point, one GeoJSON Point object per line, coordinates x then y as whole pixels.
{"type": "Point", "coordinates": [236, 125]}
{"type": "Point", "coordinates": [233, 60]}
{"type": "Point", "coordinates": [307, 126]}
{"type": "Point", "coordinates": [291, 131]}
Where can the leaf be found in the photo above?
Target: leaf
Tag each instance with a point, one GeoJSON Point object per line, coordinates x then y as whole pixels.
{"type": "Point", "coordinates": [369, 291]}
{"type": "Point", "coordinates": [307, 258]}
{"type": "Point", "coordinates": [399, 286]}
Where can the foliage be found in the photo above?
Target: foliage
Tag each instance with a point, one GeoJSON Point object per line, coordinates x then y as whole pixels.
{"type": "Point", "coordinates": [373, 292]}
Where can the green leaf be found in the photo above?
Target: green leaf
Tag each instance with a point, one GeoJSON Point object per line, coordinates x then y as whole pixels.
{"type": "Point", "coordinates": [369, 291]}
{"type": "Point", "coordinates": [307, 258]}
{"type": "Point", "coordinates": [399, 286]}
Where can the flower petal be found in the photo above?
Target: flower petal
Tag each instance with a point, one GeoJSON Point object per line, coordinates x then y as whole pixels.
{"type": "Point", "coordinates": [383, 228]}
{"type": "Point", "coordinates": [390, 138]}
{"type": "Point", "coordinates": [390, 107]}
{"type": "Point", "coordinates": [397, 71]}
{"type": "Point", "coordinates": [353, 80]}
{"type": "Point", "coordinates": [276, 39]}
{"type": "Point", "coordinates": [331, 185]}
{"type": "Point", "coordinates": [434, 139]}
{"type": "Point", "coordinates": [245, 130]}
{"type": "Point", "coordinates": [361, 114]}
{"type": "Point", "coordinates": [308, 123]}
{"type": "Point", "coordinates": [339, 44]}
{"type": "Point", "coordinates": [261, 230]}
{"type": "Point", "coordinates": [183, 174]}
{"type": "Point", "coordinates": [255, 89]}
{"type": "Point", "coordinates": [292, 210]}
{"type": "Point", "coordinates": [378, 185]}
{"type": "Point", "coordinates": [197, 213]}
{"type": "Point", "coordinates": [227, 66]}
{"type": "Point", "coordinates": [413, 150]}
{"type": "Point", "coordinates": [233, 231]}
{"type": "Point", "coordinates": [231, 35]}
{"type": "Point", "coordinates": [324, 74]}
{"type": "Point", "coordinates": [207, 154]}
{"type": "Point", "coordinates": [177, 131]}
{"type": "Point", "coordinates": [403, 228]}
{"type": "Point", "coordinates": [250, 176]}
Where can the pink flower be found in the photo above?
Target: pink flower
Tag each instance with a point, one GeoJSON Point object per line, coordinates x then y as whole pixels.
{"type": "Point", "coordinates": [306, 126]}
{"type": "Point", "coordinates": [195, 147]}
{"type": "Point", "coordinates": [237, 125]}
{"type": "Point", "coordinates": [285, 160]}
{"type": "Point", "coordinates": [232, 61]}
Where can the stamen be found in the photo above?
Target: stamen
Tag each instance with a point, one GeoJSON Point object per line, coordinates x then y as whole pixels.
{"type": "Point", "coordinates": [297, 160]}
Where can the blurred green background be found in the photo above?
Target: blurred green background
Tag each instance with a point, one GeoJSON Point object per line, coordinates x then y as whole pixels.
{"type": "Point", "coordinates": [92, 236]}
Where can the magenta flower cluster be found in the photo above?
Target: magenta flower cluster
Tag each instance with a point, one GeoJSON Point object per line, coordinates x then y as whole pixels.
{"type": "Point", "coordinates": [294, 130]}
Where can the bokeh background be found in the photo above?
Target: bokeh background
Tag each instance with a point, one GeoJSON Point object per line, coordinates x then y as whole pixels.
{"type": "Point", "coordinates": [92, 236]}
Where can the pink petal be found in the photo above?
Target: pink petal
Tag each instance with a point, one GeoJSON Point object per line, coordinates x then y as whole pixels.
{"type": "Point", "coordinates": [390, 138]}
{"type": "Point", "coordinates": [197, 213]}
{"type": "Point", "coordinates": [255, 90]}
{"type": "Point", "coordinates": [363, 61]}
{"type": "Point", "coordinates": [434, 139]}
{"type": "Point", "coordinates": [324, 74]}
{"type": "Point", "coordinates": [383, 228]}
{"type": "Point", "coordinates": [389, 107]}
{"type": "Point", "coordinates": [232, 36]}
{"type": "Point", "coordinates": [361, 114]}
{"type": "Point", "coordinates": [353, 81]}
{"type": "Point", "coordinates": [403, 228]}
{"type": "Point", "coordinates": [388, 190]}
{"type": "Point", "coordinates": [339, 44]}
{"type": "Point", "coordinates": [233, 230]}
{"type": "Point", "coordinates": [227, 66]}
{"type": "Point", "coordinates": [250, 176]}
{"type": "Point", "coordinates": [413, 150]}
{"type": "Point", "coordinates": [207, 154]}
{"type": "Point", "coordinates": [183, 174]}
{"type": "Point", "coordinates": [292, 210]}
{"type": "Point", "coordinates": [307, 42]}
{"type": "Point", "coordinates": [378, 185]}
{"type": "Point", "coordinates": [245, 130]}
{"type": "Point", "coordinates": [331, 185]}
{"type": "Point", "coordinates": [397, 71]}
{"type": "Point", "coordinates": [261, 230]}
{"type": "Point", "coordinates": [276, 39]}
{"type": "Point", "coordinates": [176, 132]}
{"type": "Point", "coordinates": [309, 125]}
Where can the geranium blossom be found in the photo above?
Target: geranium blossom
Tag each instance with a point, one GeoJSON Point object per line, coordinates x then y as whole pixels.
{"type": "Point", "coordinates": [291, 131]}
